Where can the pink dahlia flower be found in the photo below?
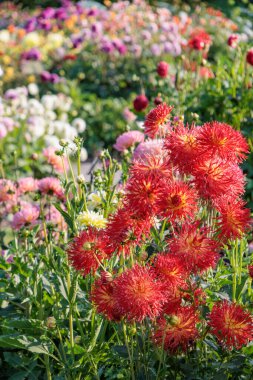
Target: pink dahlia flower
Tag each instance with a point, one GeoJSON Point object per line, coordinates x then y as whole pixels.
{"type": "Point", "coordinates": [27, 184]}
{"type": "Point", "coordinates": [27, 216]}
{"type": "Point", "coordinates": [149, 147]}
{"type": "Point", "coordinates": [7, 190]}
{"type": "Point", "coordinates": [128, 139]}
{"type": "Point", "coordinates": [50, 186]}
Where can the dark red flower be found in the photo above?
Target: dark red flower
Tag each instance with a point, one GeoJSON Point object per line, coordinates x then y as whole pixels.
{"type": "Point", "coordinates": [170, 270]}
{"type": "Point", "coordinates": [69, 57]}
{"type": "Point", "coordinates": [233, 40]}
{"type": "Point", "coordinates": [140, 103]}
{"type": "Point", "coordinates": [139, 294]}
{"type": "Point", "coordinates": [249, 57]}
{"type": "Point", "coordinates": [158, 100]}
{"type": "Point", "coordinates": [178, 331]}
{"type": "Point", "coordinates": [103, 297]}
{"type": "Point", "coordinates": [87, 250]}
{"type": "Point", "coordinates": [250, 269]}
{"type": "Point", "coordinates": [231, 324]}
{"type": "Point", "coordinates": [156, 120]}
{"type": "Point", "coordinates": [162, 69]}
{"type": "Point", "coordinates": [126, 229]}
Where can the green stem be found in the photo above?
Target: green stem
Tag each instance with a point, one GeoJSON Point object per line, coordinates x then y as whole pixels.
{"type": "Point", "coordinates": [128, 350]}
{"type": "Point", "coordinates": [47, 364]}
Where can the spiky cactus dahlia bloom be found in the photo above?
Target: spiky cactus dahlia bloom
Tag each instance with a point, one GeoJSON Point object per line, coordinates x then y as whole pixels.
{"type": "Point", "coordinates": [156, 119]}
{"type": "Point", "coordinates": [231, 324]}
{"type": "Point", "coordinates": [87, 250]}
{"type": "Point", "coordinates": [178, 331]}
{"type": "Point", "coordinates": [139, 294]}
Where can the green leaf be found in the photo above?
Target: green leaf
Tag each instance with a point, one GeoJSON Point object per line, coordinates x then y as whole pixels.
{"type": "Point", "coordinates": [65, 215]}
{"type": "Point", "coordinates": [15, 341]}
{"type": "Point", "coordinates": [121, 350]}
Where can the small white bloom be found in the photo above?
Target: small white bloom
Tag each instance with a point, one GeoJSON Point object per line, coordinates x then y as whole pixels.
{"type": "Point", "coordinates": [33, 89]}
{"type": "Point", "coordinates": [84, 154]}
{"type": "Point", "coordinates": [79, 124]}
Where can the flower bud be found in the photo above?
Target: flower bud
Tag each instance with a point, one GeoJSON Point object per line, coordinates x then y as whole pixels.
{"type": "Point", "coordinates": [51, 322]}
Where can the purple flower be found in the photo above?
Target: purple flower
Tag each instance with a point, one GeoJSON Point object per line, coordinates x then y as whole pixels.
{"type": "Point", "coordinates": [48, 13]}
{"type": "Point", "coordinates": [107, 47]}
{"type": "Point", "coordinates": [156, 49]}
{"type": "Point", "coordinates": [61, 14]}
{"type": "Point", "coordinates": [45, 76]}
{"type": "Point", "coordinates": [31, 55]}
{"type": "Point", "coordinates": [30, 26]}
{"type": "Point", "coordinates": [11, 94]}
{"type": "Point", "coordinates": [77, 41]}
{"type": "Point", "coordinates": [55, 78]}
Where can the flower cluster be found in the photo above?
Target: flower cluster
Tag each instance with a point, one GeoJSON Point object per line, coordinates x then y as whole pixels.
{"type": "Point", "coordinates": [185, 200]}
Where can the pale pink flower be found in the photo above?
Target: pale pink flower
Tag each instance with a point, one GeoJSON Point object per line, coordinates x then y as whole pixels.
{"type": "Point", "coordinates": [7, 190]}
{"type": "Point", "coordinates": [3, 131]}
{"type": "Point", "coordinates": [26, 217]}
{"type": "Point", "coordinates": [27, 184]}
{"type": "Point", "coordinates": [128, 139]}
{"type": "Point", "coordinates": [128, 115]}
{"type": "Point", "coordinates": [50, 186]}
{"type": "Point", "coordinates": [54, 160]}
{"type": "Point", "coordinates": [149, 147]}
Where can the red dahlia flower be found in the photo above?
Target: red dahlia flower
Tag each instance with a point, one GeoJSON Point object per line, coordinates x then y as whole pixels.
{"type": "Point", "coordinates": [234, 218]}
{"type": "Point", "coordinates": [152, 166]}
{"type": "Point", "coordinates": [199, 40]}
{"type": "Point", "coordinates": [125, 229]}
{"type": "Point", "coordinates": [139, 294]}
{"type": "Point", "coordinates": [103, 297]}
{"type": "Point", "coordinates": [156, 119]}
{"type": "Point", "coordinates": [178, 331]}
{"type": "Point", "coordinates": [197, 251]}
{"type": "Point", "coordinates": [231, 324]}
{"type": "Point", "coordinates": [87, 250]}
{"type": "Point", "coordinates": [170, 270]}
{"type": "Point", "coordinates": [143, 194]}
{"type": "Point", "coordinates": [221, 140]}
{"type": "Point", "coordinates": [215, 177]}
{"type": "Point", "coordinates": [181, 145]}
{"type": "Point", "coordinates": [140, 103]}
{"type": "Point", "coordinates": [162, 69]}
{"type": "Point", "coordinates": [177, 201]}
